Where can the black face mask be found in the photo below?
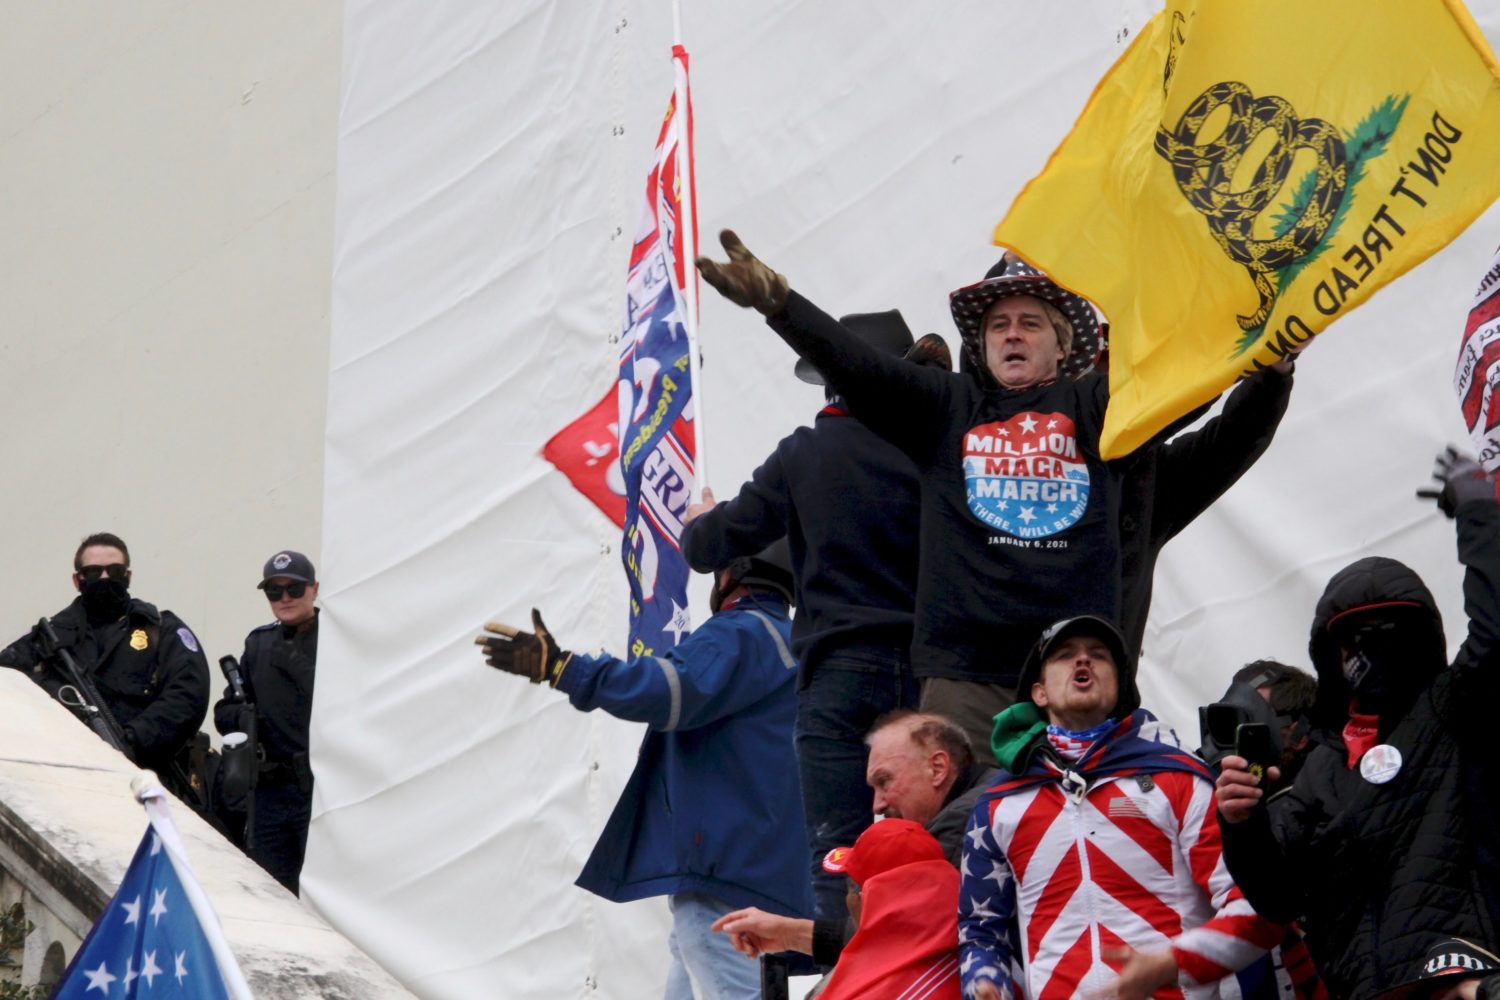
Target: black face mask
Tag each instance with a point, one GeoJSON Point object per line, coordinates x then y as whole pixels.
{"type": "Point", "coordinates": [1384, 667]}
{"type": "Point", "coordinates": [104, 599]}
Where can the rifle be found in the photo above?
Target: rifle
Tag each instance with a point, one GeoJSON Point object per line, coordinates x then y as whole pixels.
{"type": "Point", "coordinates": [79, 693]}
{"type": "Point", "coordinates": [242, 756]}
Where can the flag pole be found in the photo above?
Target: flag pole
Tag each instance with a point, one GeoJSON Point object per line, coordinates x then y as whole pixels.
{"type": "Point", "coordinates": [687, 233]}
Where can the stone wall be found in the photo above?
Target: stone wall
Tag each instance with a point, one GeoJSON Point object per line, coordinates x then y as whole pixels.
{"type": "Point", "coordinates": [69, 827]}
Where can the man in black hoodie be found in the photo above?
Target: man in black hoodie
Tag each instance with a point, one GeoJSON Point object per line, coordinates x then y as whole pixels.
{"type": "Point", "coordinates": [848, 503]}
{"type": "Point", "coordinates": [1386, 843]}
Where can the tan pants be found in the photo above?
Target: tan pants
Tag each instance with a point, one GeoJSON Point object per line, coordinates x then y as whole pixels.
{"type": "Point", "coordinates": [972, 705]}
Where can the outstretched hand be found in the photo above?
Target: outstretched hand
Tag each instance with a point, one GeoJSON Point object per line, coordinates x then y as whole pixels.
{"type": "Point", "coordinates": [533, 655]}
{"type": "Point", "coordinates": [1462, 479]}
{"type": "Point", "coordinates": [755, 932]}
{"type": "Point", "coordinates": [743, 279]}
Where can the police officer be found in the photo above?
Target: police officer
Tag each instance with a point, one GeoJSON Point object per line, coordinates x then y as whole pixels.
{"type": "Point", "coordinates": [150, 673]}
{"type": "Point", "coordinates": [277, 669]}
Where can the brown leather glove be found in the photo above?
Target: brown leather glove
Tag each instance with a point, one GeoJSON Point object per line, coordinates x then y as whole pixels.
{"type": "Point", "coordinates": [744, 280]}
{"type": "Point", "coordinates": [532, 655]}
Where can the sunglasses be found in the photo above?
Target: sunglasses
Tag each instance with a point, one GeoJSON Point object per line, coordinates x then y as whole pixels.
{"type": "Point", "coordinates": [92, 574]}
{"type": "Point", "coordinates": [292, 590]}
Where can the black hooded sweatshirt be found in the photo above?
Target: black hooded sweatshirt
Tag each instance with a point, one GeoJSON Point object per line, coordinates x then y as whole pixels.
{"type": "Point", "coordinates": [1380, 872]}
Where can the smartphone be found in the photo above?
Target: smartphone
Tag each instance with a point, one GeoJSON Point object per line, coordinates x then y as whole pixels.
{"type": "Point", "coordinates": [1253, 741]}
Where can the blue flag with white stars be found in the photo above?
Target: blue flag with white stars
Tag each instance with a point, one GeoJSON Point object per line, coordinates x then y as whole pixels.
{"type": "Point", "coordinates": [148, 943]}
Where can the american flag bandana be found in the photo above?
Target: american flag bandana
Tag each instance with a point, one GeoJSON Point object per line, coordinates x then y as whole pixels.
{"type": "Point", "coordinates": [1071, 745]}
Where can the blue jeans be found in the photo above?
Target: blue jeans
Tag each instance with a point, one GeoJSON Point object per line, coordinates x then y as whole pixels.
{"type": "Point", "coordinates": [701, 957]}
{"type": "Point", "coordinates": [848, 691]}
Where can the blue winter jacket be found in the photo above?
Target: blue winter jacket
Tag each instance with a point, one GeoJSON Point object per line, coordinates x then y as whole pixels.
{"type": "Point", "coordinates": [714, 804]}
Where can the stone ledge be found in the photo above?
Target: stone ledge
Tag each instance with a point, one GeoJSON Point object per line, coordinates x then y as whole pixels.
{"type": "Point", "coordinates": [69, 827]}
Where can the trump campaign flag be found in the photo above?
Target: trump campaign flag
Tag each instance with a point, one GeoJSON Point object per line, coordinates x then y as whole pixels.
{"type": "Point", "coordinates": [587, 451]}
{"type": "Point", "coordinates": [158, 937]}
{"type": "Point", "coordinates": [656, 418]}
{"type": "Point", "coordinates": [1247, 173]}
{"type": "Point", "coordinates": [1478, 368]}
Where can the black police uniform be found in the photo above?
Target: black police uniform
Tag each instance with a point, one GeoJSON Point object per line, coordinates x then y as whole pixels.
{"type": "Point", "coordinates": [278, 667]}
{"type": "Point", "coordinates": [150, 672]}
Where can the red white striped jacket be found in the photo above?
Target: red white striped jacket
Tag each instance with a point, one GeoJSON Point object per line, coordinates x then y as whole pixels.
{"type": "Point", "coordinates": [1060, 878]}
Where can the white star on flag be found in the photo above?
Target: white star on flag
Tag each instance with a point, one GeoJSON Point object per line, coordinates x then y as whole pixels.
{"type": "Point", "coordinates": [679, 622]}
{"type": "Point", "coordinates": [150, 970]}
{"type": "Point", "coordinates": [130, 973]}
{"type": "Point", "coordinates": [158, 906]}
{"type": "Point", "coordinates": [1027, 424]}
{"type": "Point", "coordinates": [133, 911]}
{"type": "Point", "coordinates": [182, 971]}
{"type": "Point", "coordinates": [99, 979]}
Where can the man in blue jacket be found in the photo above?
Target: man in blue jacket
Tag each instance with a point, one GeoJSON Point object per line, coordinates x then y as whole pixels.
{"type": "Point", "coordinates": [706, 816]}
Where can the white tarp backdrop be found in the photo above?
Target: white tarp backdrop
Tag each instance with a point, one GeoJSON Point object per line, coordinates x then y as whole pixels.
{"type": "Point", "coordinates": [490, 174]}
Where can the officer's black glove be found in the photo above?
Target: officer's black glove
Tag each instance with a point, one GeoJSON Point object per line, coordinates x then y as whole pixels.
{"type": "Point", "coordinates": [1463, 479]}
{"type": "Point", "coordinates": [532, 655]}
{"type": "Point", "coordinates": [743, 279]}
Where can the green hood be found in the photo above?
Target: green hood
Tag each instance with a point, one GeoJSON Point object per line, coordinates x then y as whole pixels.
{"type": "Point", "coordinates": [1016, 730]}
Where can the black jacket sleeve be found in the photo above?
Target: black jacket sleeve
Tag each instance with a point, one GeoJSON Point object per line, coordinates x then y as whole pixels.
{"type": "Point", "coordinates": [1268, 854]}
{"type": "Point", "coordinates": [21, 654]}
{"type": "Point", "coordinates": [1478, 524]}
{"type": "Point", "coordinates": [175, 714]}
{"type": "Point", "coordinates": [829, 938]}
{"type": "Point", "coordinates": [742, 526]}
{"type": "Point", "coordinates": [1196, 468]}
{"type": "Point", "coordinates": [906, 404]}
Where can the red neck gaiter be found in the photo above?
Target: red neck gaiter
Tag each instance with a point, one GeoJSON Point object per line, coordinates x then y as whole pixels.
{"type": "Point", "coordinates": [1361, 733]}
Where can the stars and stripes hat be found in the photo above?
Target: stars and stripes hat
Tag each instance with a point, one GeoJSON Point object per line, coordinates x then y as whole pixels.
{"type": "Point", "coordinates": [887, 844]}
{"type": "Point", "coordinates": [1013, 276]}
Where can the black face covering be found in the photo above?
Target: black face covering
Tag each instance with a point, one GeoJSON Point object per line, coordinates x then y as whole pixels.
{"type": "Point", "coordinates": [1383, 664]}
{"type": "Point", "coordinates": [104, 599]}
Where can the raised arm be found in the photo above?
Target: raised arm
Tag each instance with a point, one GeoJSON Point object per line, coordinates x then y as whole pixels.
{"type": "Point", "coordinates": [742, 526]}
{"type": "Point", "coordinates": [904, 403]}
{"type": "Point", "coordinates": [1197, 467]}
{"type": "Point", "coordinates": [714, 673]}
{"type": "Point", "coordinates": [1468, 495]}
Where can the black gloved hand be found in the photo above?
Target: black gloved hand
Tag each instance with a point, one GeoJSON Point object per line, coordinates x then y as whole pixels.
{"type": "Point", "coordinates": [532, 655]}
{"type": "Point", "coordinates": [744, 280]}
{"type": "Point", "coordinates": [1463, 480]}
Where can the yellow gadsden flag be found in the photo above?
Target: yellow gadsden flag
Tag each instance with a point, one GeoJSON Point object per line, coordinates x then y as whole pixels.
{"type": "Point", "coordinates": [1248, 172]}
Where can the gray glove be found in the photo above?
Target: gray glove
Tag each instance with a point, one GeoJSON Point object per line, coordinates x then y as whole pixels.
{"type": "Point", "coordinates": [1463, 480]}
{"type": "Point", "coordinates": [744, 280]}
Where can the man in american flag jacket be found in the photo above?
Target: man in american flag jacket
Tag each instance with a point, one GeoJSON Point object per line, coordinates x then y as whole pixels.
{"type": "Point", "coordinates": [1093, 867]}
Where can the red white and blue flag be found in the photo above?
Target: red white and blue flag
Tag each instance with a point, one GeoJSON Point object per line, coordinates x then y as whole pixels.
{"type": "Point", "coordinates": [655, 392]}
{"type": "Point", "coordinates": [158, 936]}
{"type": "Point", "coordinates": [1478, 372]}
